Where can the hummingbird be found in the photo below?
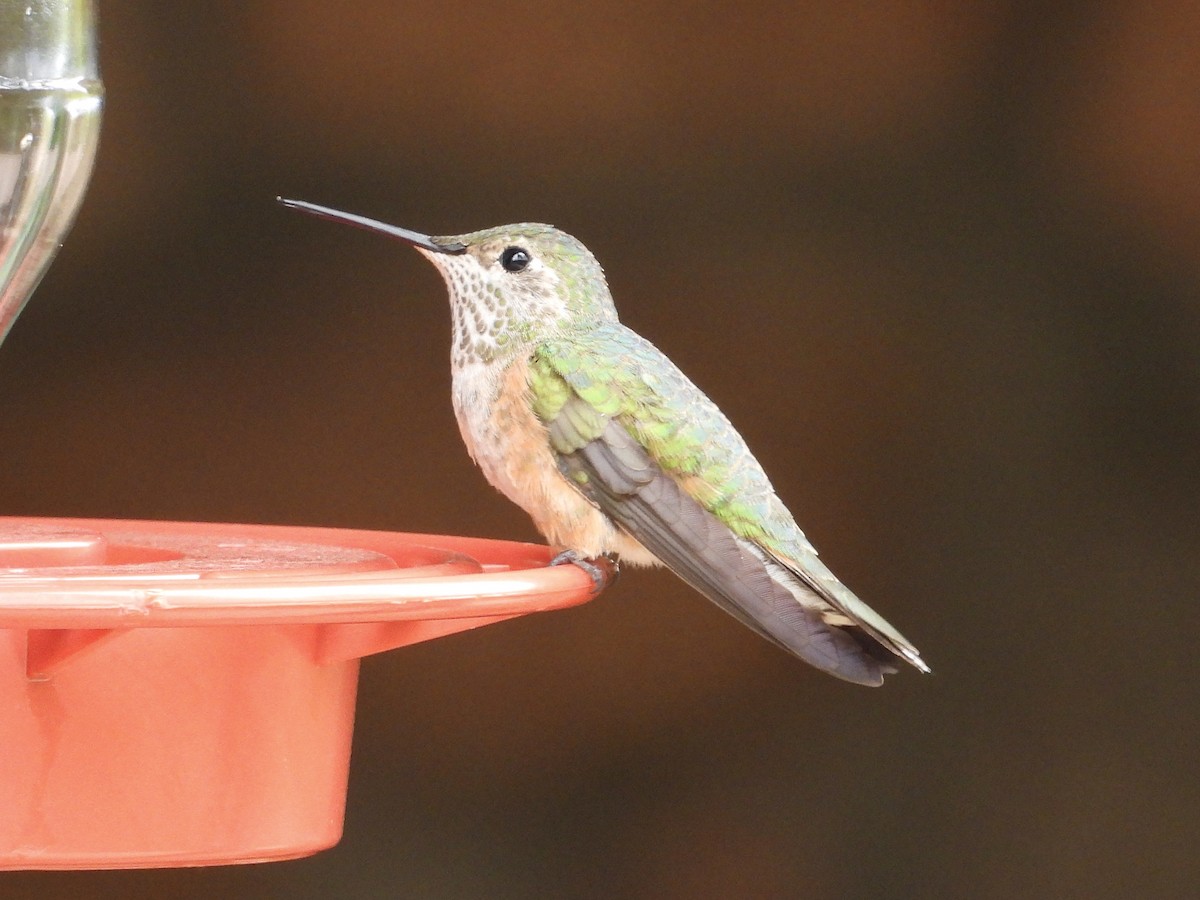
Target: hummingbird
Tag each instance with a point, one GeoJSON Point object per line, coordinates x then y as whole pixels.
{"type": "Point", "coordinates": [615, 454]}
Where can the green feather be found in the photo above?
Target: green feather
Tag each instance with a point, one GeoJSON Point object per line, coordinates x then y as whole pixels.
{"type": "Point", "coordinates": [613, 373]}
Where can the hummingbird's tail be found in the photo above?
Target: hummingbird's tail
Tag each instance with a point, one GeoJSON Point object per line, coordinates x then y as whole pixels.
{"type": "Point", "coordinates": [765, 594]}
{"type": "Point", "coordinates": [818, 589]}
{"type": "Point", "coordinates": [820, 595]}
{"type": "Point", "coordinates": [771, 601]}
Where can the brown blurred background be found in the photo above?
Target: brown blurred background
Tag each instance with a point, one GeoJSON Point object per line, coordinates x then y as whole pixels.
{"type": "Point", "coordinates": [938, 261]}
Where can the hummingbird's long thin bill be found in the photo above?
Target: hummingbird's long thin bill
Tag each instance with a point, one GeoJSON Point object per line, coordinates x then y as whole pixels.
{"type": "Point", "coordinates": [336, 215]}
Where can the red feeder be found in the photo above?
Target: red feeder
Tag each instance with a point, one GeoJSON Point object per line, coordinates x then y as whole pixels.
{"type": "Point", "coordinates": [176, 693]}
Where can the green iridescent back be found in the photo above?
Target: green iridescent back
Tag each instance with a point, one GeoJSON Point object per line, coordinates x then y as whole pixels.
{"type": "Point", "coordinates": [621, 375]}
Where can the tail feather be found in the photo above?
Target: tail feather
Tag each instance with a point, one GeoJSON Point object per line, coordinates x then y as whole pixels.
{"type": "Point", "coordinates": [733, 573]}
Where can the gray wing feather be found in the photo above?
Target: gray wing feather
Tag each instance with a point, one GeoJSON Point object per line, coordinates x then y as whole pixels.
{"type": "Point", "coordinates": [626, 484]}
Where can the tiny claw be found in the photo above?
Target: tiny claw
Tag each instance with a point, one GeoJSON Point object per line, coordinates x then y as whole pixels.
{"type": "Point", "coordinates": [603, 570]}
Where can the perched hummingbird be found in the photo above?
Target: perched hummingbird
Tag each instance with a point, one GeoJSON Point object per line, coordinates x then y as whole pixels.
{"type": "Point", "coordinates": [614, 452]}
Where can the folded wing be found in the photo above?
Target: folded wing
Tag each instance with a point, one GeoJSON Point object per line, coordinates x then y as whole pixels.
{"type": "Point", "coordinates": [658, 458]}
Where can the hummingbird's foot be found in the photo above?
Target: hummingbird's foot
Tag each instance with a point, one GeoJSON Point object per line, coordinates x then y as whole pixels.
{"type": "Point", "coordinates": [603, 569]}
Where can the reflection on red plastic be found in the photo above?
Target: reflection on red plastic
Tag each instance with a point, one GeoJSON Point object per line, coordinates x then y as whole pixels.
{"type": "Point", "coordinates": [176, 693]}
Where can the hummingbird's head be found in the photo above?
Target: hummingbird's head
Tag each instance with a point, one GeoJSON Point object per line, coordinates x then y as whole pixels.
{"type": "Point", "coordinates": [515, 285]}
{"type": "Point", "coordinates": [510, 287]}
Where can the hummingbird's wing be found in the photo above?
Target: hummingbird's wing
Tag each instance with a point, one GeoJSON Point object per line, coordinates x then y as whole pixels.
{"type": "Point", "coordinates": [648, 448]}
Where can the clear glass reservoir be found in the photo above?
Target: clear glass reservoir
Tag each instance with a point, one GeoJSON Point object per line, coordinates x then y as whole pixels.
{"type": "Point", "coordinates": [50, 105]}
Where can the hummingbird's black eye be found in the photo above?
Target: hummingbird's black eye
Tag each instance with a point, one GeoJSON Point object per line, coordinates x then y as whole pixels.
{"type": "Point", "coordinates": [514, 259]}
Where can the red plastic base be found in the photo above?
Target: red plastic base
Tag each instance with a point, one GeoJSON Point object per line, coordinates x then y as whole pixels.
{"type": "Point", "coordinates": [183, 694]}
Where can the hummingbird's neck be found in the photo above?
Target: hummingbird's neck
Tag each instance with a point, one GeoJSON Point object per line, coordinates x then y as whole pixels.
{"type": "Point", "coordinates": [481, 333]}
